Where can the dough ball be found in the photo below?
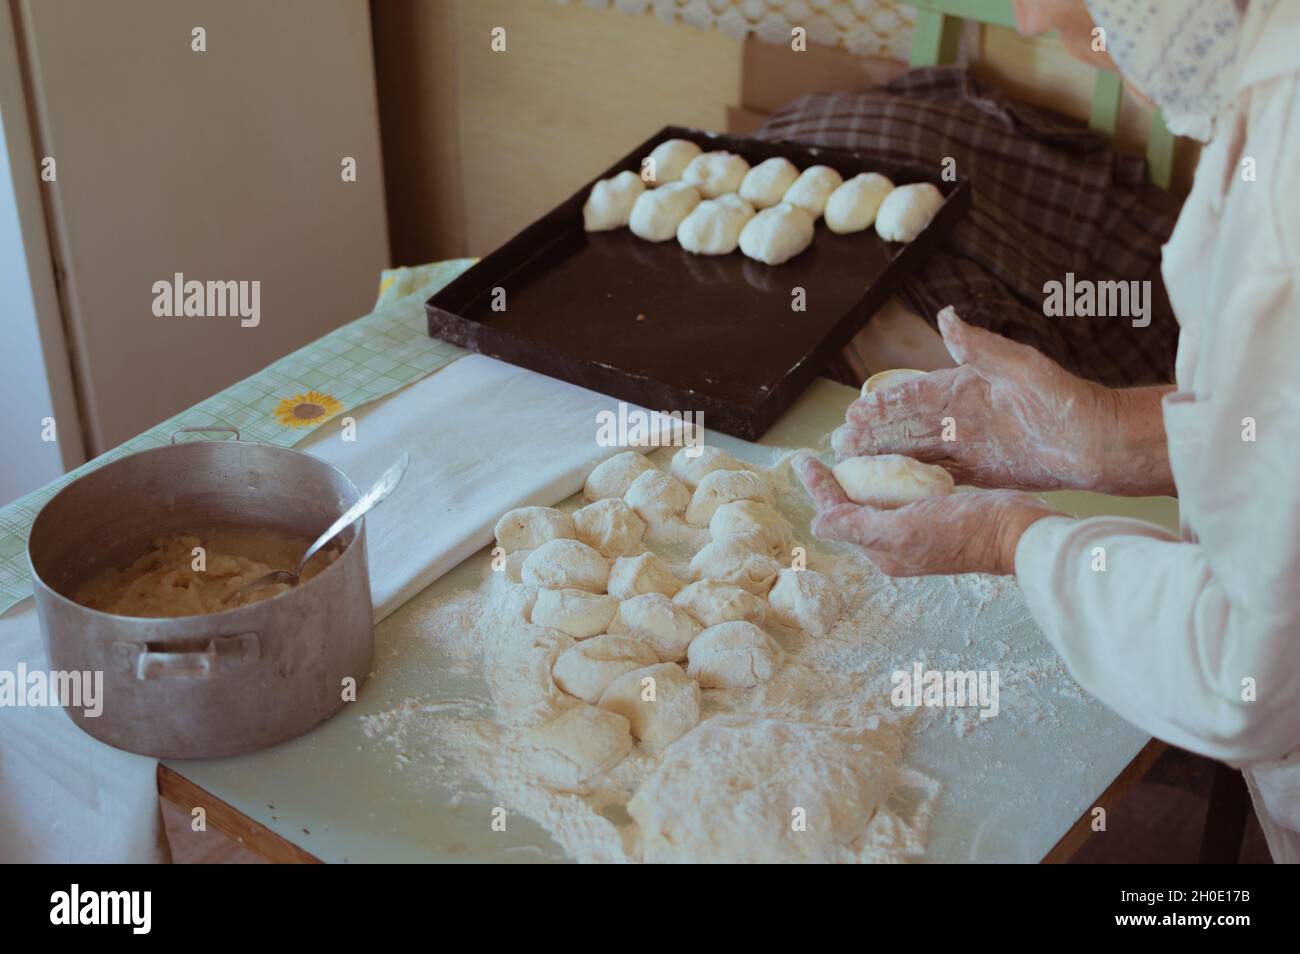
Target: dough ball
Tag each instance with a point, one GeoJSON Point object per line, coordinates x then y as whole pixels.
{"type": "Point", "coordinates": [657, 497]}
{"type": "Point", "coordinates": [807, 600]}
{"type": "Point", "coordinates": [711, 603]}
{"type": "Point", "coordinates": [716, 173]}
{"type": "Point", "coordinates": [576, 612]}
{"type": "Point", "coordinates": [766, 184]}
{"type": "Point", "coordinates": [723, 486]}
{"type": "Point", "coordinates": [587, 669]}
{"type": "Point", "coordinates": [777, 235]}
{"type": "Point", "coordinates": [609, 526]}
{"type": "Point", "coordinates": [659, 621]}
{"type": "Point", "coordinates": [735, 561]}
{"type": "Point", "coordinates": [514, 569]}
{"type": "Point", "coordinates": [742, 517]}
{"type": "Point", "coordinates": [612, 477]}
{"type": "Point", "coordinates": [566, 564]}
{"type": "Point", "coordinates": [657, 212]}
{"type": "Point", "coordinates": [887, 379]}
{"type": "Point", "coordinates": [661, 702]}
{"type": "Point", "coordinates": [610, 202]}
{"type": "Point", "coordinates": [713, 227]}
{"type": "Point", "coordinates": [742, 776]}
{"type": "Point", "coordinates": [813, 187]}
{"type": "Point", "coordinates": [691, 470]}
{"type": "Point", "coordinates": [733, 655]}
{"type": "Point", "coordinates": [633, 576]}
{"type": "Point", "coordinates": [890, 480]}
{"type": "Point", "coordinates": [576, 745]}
{"type": "Point", "coordinates": [852, 207]}
{"type": "Point", "coordinates": [906, 211]}
{"type": "Point", "coordinates": [671, 158]}
{"type": "Point", "coordinates": [527, 528]}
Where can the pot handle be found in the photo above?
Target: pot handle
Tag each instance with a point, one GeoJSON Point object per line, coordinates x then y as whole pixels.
{"type": "Point", "coordinates": [222, 654]}
{"type": "Point", "coordinates": [205, 430]}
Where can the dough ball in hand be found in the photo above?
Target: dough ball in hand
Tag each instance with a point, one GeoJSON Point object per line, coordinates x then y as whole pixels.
{"type": "Point", "coordinates": [716, 173]}
{"type": "Point", "coordinates": [527, 528]}
{"type": "Point", "coordinates": [612, 477]}
{"type": "Point", "coordinates": [738, 562]}
{"type": "Point", "coordinates": [906, 211]}
{"type": "Point", "coordinates": [778, 234]}
{"type": "Point", "coordinates": [610, 527]}
{"type": "Point", "coordinates": [807, 600]}
{"type": "Point", "coordinates": [711, 603]}
{"type": "Point", "coordinates": [713, 227]}
{"type": "Point", "coordinates": [659, 621]}
{"type": "Point", "coordinates": [887, 379]}
{"type": "Point", "coordinates": [733, 656]}
{"type": "Point", "coordinates": [661, 702]}
{"type": "Point", "coordinates": [633, 576]}
{"type": "Point", "coordinates": [671, 158]}
{"type": "Point", "coordinates": [610, 202]}
{"type": "Point", "coordinates": [576, 612]}
{"type": "Point", "coordinates": [587, 669]}
{"type": "Point", "coordinates": [566, 564]}
{"type": "Point", "coordinates": [813, 187]}
{"type": "Point", "coordinates": [720, 487]}
{"type": "Point", "coordinates": [853, 206]}
{"type": "Point", "coordinates": [767, 183]}
{"type": "Point", "coordinates": [657, 212]}
{"type": "Point", "coordinates": [690, 465]}
{"type": "Point", "coordinates": [576, 745]}
{"type": "Point", "coordinates": [890, 480]}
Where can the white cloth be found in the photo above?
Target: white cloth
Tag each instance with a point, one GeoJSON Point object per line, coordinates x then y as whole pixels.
{"type": "Point", "coordinates": [483, 436]}
{"type": "Point", "coordinates": [1168, 633]}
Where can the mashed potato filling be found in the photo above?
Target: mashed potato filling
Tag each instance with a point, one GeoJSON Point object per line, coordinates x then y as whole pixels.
{"type": "Point", "coordinates": [192, 574]}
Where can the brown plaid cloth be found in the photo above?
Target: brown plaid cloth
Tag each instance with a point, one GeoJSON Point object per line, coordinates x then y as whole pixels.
{"type": "Point", "coordinates": [1050, 197]}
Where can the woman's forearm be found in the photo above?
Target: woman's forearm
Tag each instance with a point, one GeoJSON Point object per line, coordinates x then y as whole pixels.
{"type": "Point", "coordinates": [1135, 456]}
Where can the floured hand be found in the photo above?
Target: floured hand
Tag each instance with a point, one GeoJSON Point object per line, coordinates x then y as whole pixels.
{"type": "Point", "coordinates": [962, 533]}
{"type": "Point", "coordinates": [1017, 418]}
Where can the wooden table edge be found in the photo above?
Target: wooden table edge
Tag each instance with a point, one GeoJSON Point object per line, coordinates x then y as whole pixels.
{"type": "Point", "coordinates": [228, 820]}
{"type": "Point", "coordinates": [1081, 830]}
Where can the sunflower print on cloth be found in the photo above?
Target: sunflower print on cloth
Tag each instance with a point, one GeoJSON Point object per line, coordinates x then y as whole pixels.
{"type": "Point", "coordinates": [306, 410]}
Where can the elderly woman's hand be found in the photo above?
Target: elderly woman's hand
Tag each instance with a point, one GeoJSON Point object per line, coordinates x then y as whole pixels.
{"type": "Point", "coordinates": [960, 533]}
{"type": "Point", "coordinates": [1012, 417]}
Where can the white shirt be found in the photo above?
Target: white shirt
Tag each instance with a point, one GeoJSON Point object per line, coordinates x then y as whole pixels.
{"type": "Point", "coordinates": [1197, 640]}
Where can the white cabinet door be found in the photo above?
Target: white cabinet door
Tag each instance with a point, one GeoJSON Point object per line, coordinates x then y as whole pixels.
{"type": "Point", "coordinates": [223, 165]}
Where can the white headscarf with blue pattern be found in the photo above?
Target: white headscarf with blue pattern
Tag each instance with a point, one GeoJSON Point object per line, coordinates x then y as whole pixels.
{"type": "Point", "coordinates": [1181, 53]}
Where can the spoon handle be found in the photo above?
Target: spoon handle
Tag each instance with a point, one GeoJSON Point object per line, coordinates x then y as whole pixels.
{"type": "Point", "coordinates": [384, 486]}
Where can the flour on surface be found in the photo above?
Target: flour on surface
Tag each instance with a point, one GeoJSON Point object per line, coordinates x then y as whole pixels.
{"type": "Point", "coordinates": [842, 679]}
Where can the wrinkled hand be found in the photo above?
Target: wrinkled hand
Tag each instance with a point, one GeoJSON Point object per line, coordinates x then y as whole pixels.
{"type": "Point", "coordinates": [960, 533]}
{"type": "Point", "coordinates": [1019, 419]}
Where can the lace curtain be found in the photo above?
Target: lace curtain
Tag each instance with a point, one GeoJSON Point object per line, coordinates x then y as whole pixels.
{"type": "Point", "coordinates": [863, 27]}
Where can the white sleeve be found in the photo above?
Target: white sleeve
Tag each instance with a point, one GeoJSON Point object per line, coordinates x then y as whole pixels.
{"type": "Point", "coordinates": [1198, 642]}
{"type": "Point", "coordinates": [1154, 637]}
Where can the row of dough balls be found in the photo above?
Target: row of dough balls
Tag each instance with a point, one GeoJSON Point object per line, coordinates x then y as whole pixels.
{"type": "Point", "coordinates": [711, 202]}
{"type": "Point", "coordinates": [627, 618]}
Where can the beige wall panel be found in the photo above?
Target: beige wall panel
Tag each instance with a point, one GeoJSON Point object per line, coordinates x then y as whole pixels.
{"type": "Point", "coordinates": [576, 88]}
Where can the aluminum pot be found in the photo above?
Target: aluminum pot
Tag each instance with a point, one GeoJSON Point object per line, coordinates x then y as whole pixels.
{"type": "Point", "coordinates": [223, 683]}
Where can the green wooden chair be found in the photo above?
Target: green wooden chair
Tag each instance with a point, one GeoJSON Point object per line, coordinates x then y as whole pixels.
{"type": "Point", "coordinates": [938, 32]}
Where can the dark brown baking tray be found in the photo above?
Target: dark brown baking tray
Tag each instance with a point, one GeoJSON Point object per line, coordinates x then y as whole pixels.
{"type": "Point", "coordinates": [652, 324]}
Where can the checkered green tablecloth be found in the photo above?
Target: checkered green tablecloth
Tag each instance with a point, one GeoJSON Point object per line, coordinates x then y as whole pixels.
{"type": "Point", "coordinates": [286, 401]}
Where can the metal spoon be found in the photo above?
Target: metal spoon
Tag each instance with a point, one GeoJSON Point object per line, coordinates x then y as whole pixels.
{"type": "Point", "coordinates": [381, 488]}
